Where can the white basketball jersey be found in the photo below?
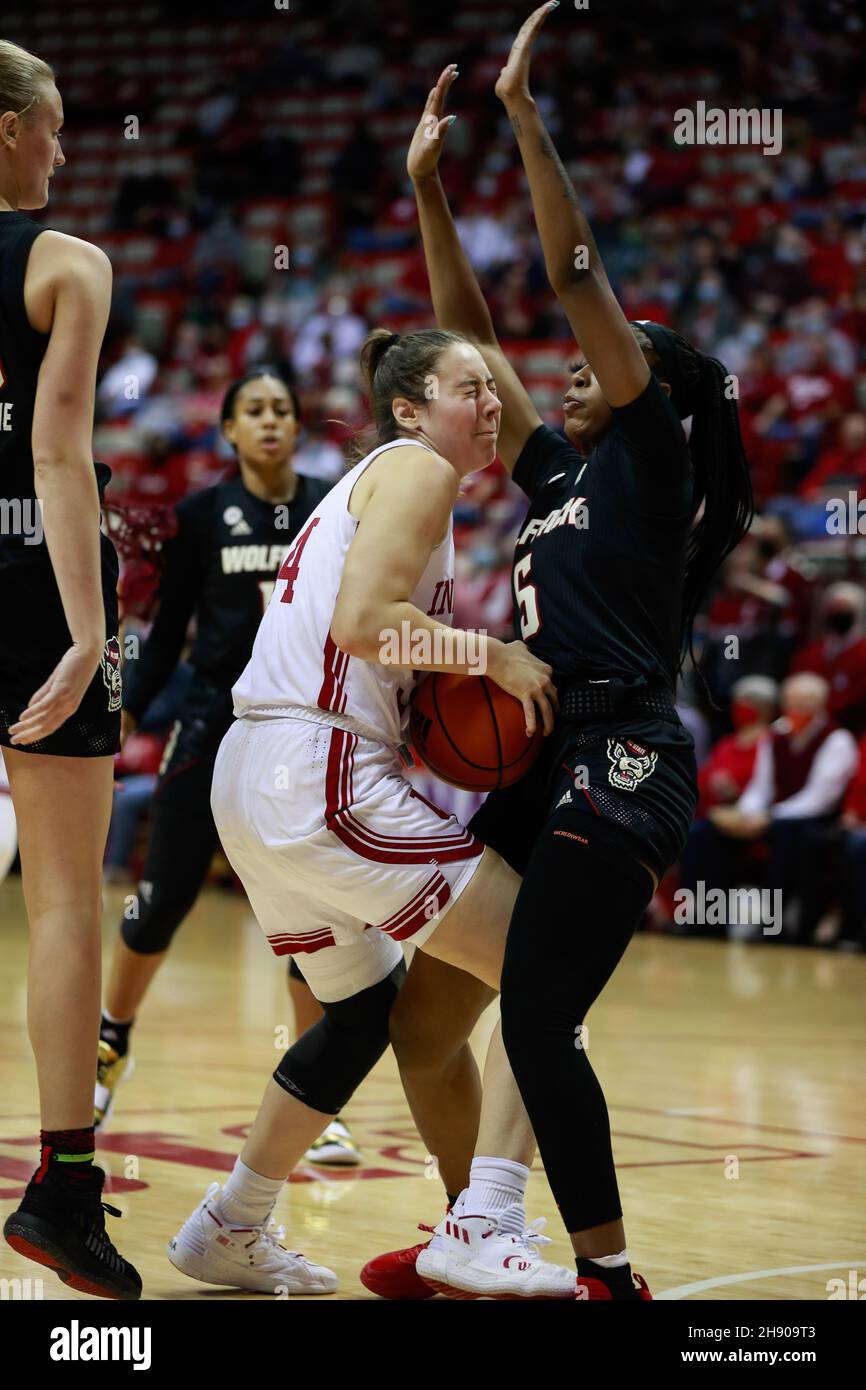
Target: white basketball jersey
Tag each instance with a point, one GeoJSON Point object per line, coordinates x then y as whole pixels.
{"type": "Point", "coordinates": [295, 661]}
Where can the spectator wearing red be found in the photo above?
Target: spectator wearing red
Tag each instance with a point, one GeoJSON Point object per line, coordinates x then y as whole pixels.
{"type": "Point", "coordinates": [802, 769]}
{"type": "Point", "coordinates": [843, 465]}
{"type": "Point", "coordinates": [840, 655]}
{"type": "Point", "coordinates": [728, 770]}
{"type": "Point", "coordinates": [787, 568]}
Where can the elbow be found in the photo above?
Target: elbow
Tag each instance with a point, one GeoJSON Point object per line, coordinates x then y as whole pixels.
{"type": "Point", "coordinates": [355, 631]}
{"type": "Point", "coordinates": [572, 276]}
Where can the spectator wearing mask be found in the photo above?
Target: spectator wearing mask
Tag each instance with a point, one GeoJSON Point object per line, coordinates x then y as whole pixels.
{"type": "Point", "coordinates": [839, 655]}
{"type": "Point", "coordinates": [785, 567]}
{"type": "Point", "coordinates": [802, 769]}
{"type": "Point", "coordinates": [728, 770]}
{"type": "Point", "coordinates": [722, 779]}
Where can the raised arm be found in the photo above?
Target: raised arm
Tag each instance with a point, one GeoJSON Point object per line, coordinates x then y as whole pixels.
{"type": "Point", "coordinates": [574, 266]}
{"type": "Point", "coordinates": [458, 302]}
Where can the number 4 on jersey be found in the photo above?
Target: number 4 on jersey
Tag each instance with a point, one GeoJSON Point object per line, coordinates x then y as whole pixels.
{"type": "Point", "coordinates": [527, 598]}
{"type": "Point", "coordinates": [291, 564]}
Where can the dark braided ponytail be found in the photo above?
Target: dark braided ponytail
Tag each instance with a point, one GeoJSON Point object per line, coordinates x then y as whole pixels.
{"type": "Point", "coordinates": [702, 388]}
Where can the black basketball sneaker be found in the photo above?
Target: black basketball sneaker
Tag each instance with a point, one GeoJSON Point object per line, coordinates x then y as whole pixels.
{"type": "Point", "coordinates": [64, 1230]}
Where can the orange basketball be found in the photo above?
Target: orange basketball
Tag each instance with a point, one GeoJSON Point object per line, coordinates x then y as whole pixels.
{"type": "Point", "coordinates": [471, 732]}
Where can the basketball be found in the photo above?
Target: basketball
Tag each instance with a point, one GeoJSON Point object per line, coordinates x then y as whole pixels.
{"type": "Point", "coordinates": [471, 733]}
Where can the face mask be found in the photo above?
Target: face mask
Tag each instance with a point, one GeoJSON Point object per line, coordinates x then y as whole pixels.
{"type": "Point", "coordinates": [743, 714]}
{"type": "Point", "coordinates": [839, 623]}
{"type": "Point", "coordinates": [798, 721]}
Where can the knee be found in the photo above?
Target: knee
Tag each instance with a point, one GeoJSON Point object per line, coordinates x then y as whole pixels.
{"type": "Point", "coordinates": [417, 1048]}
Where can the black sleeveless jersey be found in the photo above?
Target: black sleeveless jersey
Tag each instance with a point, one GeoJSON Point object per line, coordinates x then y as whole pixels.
{"type": "Point", "coordinates": [221, 567]}
{"type": "Point", "coordinates": [599, 560]}
{"type": "Point", "coordinates": [21, 353]}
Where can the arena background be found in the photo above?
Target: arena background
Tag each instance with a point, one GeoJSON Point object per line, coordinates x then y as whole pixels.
{"type": "Point", "coordinates": [244, 168]}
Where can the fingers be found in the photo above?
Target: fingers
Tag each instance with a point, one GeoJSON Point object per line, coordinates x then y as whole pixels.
{"type": "Point", "coordinates": [530, 27]}
{"type": "Point", "coordinates": [548, 706]}
{"type": "Point", "coordinates": [436, 100]}
{"type": "Point", "coordinates": [30, 728]}
{"type": "Point", "coordinates": [529, 713]}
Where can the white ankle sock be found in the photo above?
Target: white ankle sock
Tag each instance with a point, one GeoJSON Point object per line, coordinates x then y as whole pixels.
{"type": "Point", "coordinates": [609, 1261]}
{"type": "Point", "coordinates": [248, 1198]}
{"type": "Point", "coordinates": [496, 1187]}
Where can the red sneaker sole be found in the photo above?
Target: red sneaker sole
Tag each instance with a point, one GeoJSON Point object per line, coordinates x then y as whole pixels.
{"type": "Point", "coordinates": [74, 1281]}
{"type": "Point", "coordinates": [450, 1292]}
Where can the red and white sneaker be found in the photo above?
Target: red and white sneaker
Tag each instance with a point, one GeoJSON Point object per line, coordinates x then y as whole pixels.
{"type": "Point", "coordinates": [471, 1257]}
{"type": "Point", "coordinates": [589, 1290]}
{"type": "Point", "coordinates": [394, 1276]}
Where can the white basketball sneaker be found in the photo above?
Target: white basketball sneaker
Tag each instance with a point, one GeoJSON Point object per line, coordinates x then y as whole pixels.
{"type": "Point", "coordinates": [208, 1248]}
{"type": "Point", "coordinates": [472, 1257]}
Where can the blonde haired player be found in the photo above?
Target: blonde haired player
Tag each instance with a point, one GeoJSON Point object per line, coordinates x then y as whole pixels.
{"type": "Point", "coordinates": [59, 667]}
{"type": "Point", "coordinates": [340, 858]}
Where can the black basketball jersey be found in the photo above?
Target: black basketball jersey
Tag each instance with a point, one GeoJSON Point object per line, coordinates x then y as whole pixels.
{"type": "Point", "coordinates": [599, 560]}
{"type": "Point", "coordinates": [221, 566]}
{"type": "Point", "coordinates": [21, 352]}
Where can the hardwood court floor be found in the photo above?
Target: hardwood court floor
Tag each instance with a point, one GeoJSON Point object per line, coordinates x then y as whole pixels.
{"type": "Point", "coordinates": [733, 1075]}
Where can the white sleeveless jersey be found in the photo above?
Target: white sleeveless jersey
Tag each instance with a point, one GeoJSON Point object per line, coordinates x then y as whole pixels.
{"type": "Point", "coordinates": [295, 663]}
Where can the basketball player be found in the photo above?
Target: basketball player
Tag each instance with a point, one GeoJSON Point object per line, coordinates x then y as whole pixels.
{"type": "Point", "coordinates": [219, 568]}
{"type": "Point", "coordinates": [610, 566]}
{"type": "Point", "coordinates": [59, 667]}
{"type": "Point", "coordinates": [341, 858]}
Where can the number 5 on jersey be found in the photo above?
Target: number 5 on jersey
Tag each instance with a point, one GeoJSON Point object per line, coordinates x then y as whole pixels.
{"type": "Point", "coordinates": [526, 598]}
{"type": "Point", "coordinates": [291, 564]}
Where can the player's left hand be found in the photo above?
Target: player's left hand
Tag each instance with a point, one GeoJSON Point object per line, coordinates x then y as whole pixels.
{"type": "Point", "coordinates": [513, 81]}
{"type": "Point", "coordinates": [426, 146]}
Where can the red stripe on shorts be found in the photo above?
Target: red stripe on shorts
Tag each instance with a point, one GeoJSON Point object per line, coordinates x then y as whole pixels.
{"type": "Point", "coordinates": [417, 913]}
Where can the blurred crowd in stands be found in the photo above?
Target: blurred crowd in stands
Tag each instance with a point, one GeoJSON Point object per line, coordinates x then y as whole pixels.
{"type": "Point", "coordinates": [293, 231]}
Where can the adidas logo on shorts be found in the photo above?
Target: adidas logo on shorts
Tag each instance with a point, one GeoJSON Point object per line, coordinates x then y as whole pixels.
{"type": "Point", "coordinates": [564, 800]}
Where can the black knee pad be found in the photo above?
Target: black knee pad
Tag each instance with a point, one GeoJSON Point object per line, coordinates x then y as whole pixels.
{"type": "Point", "coordinates": [157, 918]}
{"type": "Point", "coordinates": [327, 1064]}
{"type": "Point", "coordinates": [295, 970]}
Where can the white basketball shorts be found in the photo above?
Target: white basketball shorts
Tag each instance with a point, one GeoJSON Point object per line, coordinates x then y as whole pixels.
{"type": "Point", "coordinates": [340, 857]}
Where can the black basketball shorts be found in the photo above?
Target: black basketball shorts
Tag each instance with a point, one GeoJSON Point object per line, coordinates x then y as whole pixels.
{"type": "Point", "coordinates": [34, 635]}
{"type": "Point", "coordinates": [633, 782]}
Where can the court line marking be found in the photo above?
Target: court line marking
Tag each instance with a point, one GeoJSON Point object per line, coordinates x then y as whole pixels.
{"type": "Point", "coordinates": [682, 1290]}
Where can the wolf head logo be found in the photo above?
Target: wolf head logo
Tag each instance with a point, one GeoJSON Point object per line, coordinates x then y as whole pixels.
{"type": "Point", "coordinates": [110, 664]}
{"type": "Point", "coordinates": [630, 763]}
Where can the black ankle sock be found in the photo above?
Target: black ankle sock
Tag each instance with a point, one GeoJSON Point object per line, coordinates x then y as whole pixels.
{"type": "Point", "coordinates": [116, 1034]}
{"type": "Point", "coordinates": [452, 1197]}
{"type": "Point", "coordinates": [618, 1280]}
{"type": "Point", "coordinates": [66, 1159]}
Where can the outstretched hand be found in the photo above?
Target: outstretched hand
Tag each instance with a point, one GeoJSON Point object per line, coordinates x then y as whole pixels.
{"type": "Point", "coordinates": [513, 81]}
{"type": "Point", "coordinates": [426, 146]}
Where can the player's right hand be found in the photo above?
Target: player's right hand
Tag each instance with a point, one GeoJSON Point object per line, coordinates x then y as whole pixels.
{"type": "Point", "coordinates": [55, 701]}
{"type": "Point", "coordinates": [513, 667]}
{"type": "Point", "coordinates": [428, 139]}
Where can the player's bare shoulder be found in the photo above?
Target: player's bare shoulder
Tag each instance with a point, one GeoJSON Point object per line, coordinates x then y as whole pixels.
{"type": "Point", "coordinates": [57, 259]}
{"type": "Point", "coordinates": [406, 471]}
